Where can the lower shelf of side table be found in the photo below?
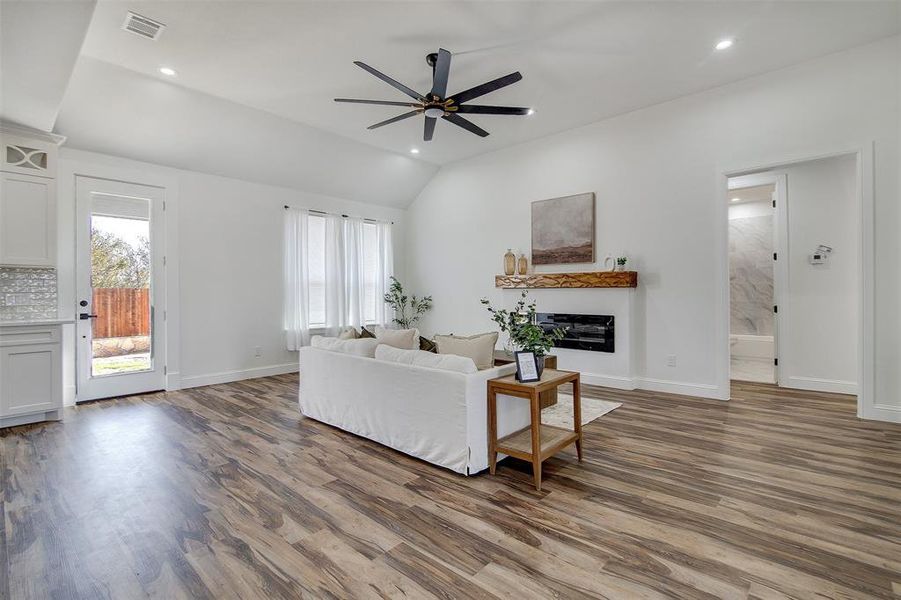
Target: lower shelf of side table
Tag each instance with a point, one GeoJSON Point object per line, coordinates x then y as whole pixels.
{"type": "Point", "coordinates": [553, 439]}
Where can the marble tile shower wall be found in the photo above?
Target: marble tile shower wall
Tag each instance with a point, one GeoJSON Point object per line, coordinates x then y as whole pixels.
{"type": "Point", "coordinates": [751, 275]}
{"type": "Point", "coordinates": [27, 293]}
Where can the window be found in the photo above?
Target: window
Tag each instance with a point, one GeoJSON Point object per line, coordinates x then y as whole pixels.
{"type": "Point", "coordinates": [333, 246]}
{"type": "Point", "coordinates": [316, 266]}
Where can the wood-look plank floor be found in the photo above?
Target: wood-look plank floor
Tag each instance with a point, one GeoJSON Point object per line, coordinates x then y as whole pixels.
{"type": "Point", "coordinates": [227, 492]}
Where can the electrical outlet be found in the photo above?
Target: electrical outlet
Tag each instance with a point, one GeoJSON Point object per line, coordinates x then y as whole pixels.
{"type": "Point", "coordinates": [258, 351]}
{"type": "Point", "coordinates": [670, 360]}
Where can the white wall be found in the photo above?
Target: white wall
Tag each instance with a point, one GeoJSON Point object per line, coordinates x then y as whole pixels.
{"type": "Point", "coordinates": [657, 173]}
{"type": "Point", "coordinates": [225, 264]}
{"type": "Point", "coordinates": [819, 347]}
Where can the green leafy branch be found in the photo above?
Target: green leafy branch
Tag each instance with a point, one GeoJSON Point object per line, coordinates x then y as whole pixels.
{"type": "Point", "coordinates": [521, 325]}
{"type": "Point", "coordinates": [407, 309]}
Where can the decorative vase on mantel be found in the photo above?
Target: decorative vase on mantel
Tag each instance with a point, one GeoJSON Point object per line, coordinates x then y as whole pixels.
{"type": "Point", "coordinates": [523, 264]}
{"type": "Point", "coordinates": [509, 262]}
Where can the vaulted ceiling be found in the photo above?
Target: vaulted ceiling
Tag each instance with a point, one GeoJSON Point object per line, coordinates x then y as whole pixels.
{"type": "Point", "coordinates": [261, 76]}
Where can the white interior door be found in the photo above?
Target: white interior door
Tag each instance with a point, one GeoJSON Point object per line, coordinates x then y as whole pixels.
{"type": "Point", "coordinates": [120, 271]}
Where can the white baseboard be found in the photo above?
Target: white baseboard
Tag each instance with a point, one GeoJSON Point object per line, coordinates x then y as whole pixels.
{"type": "Point", "coordinates": [699, 390]}
{"type": "Point", "coordinates": [814, 384]}
{"type": "Point", "coordinates": [229, 376]}
{"type": "Point", "coordinates": [881, 412]}
{"type": "Point", "coordinates": [611, 381]}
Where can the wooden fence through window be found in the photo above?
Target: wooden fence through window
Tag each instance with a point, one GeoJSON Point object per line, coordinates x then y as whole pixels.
{"type": "Point", "coordinates": [121, 312]}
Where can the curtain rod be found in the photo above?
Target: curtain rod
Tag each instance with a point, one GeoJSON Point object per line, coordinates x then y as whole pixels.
{"type": "Point", "coordinates": [322, 212]}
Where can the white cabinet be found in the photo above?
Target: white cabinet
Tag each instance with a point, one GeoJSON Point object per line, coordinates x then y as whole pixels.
{"type": "Point", "coordinates": [27, 220]}
{"type": "Point", "coordinates": [27, 153]}
{"type": "Point", "coordinates": [30, 374]}
{"type": "Point", "coordinates": [27, 199]}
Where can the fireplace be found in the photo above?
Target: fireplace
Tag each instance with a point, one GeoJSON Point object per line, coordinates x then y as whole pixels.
{"type": "Point", "coordinates": [583, 332]}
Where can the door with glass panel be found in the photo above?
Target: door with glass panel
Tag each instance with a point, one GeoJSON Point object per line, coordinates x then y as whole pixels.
{"type": "Point", "coordinates": [120, 283]}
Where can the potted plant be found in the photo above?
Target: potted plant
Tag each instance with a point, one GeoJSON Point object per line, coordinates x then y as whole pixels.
{"type": "Point", "coordinates": [407, 310]}
{"type": "Point", "coordinates": [621, 263]}
{"type": "Point", "coordinates": [522, 329]}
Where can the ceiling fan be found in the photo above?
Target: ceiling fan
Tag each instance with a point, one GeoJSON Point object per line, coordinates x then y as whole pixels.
{"type": "Point", "coordinates": [436, 104]}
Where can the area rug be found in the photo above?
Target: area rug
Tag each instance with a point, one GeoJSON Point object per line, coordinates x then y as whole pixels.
{"type": "Point", "coordinates": [561, 414]}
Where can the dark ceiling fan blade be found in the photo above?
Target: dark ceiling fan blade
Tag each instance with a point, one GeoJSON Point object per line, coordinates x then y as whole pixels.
{"type": "Point", "coordinates": [396, 84]}
{"type": "Point", "coordinates": [381, 102]}
{"type": "Point", "coordinates": [486, 88]}
{"type": "Point", "coordinates": [476, 109]}
{"type": "Point", "coordinates": [429, 130]}
{"type": "Point", "coordinates": [442, 69]}
{"type": "Point", "coordinates": [395, 119]}
{"type": "Point", "coordinates": [467, 125]}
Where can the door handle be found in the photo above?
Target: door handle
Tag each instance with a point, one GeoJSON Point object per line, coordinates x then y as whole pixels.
{"type": "Point", "coordinates": [86, 316]}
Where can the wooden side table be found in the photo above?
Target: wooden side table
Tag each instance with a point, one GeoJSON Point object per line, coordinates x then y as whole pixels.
{"type": "Point", "coordinates": [548, 397]}
{"type": "Point", "coordinates": [537, 442]}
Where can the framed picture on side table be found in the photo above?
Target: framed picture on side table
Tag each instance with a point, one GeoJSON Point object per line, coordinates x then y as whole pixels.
{"type": "Point", "coordinates": [526, 367]}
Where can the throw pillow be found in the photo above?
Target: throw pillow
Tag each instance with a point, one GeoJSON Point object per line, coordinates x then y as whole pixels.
{"type": "Point", "coordinates": [348, 333]}
{"type": "Point", "coordinates": [366, 333]}
{"type": "Point", "coordinates": [480, 348]}
{"type": "Point", "coordinates": [421, 358]}
{"type": "Point", "coordinates": [427, 345]}
{"type": "Point", "coordinates": [408, 339]}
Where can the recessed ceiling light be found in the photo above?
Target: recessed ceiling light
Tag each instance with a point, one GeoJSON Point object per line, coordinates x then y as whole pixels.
{"type": "Point", "coordinates": [168, 71]}
{"type": "Point", "coordinates": [723, 44]}
{"type": "Point", "coordinates": [736, 199]}
{"type": "Point", "coordinates": [531, 111]}
{"type": "Point", "coordinates": [414, 150]}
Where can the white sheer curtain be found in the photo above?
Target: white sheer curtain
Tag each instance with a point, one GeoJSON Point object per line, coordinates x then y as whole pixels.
{"type": "Point", "coordinates": [384, 271]}
{"type": "Point", "coordinates": [353, 283]}
{"type": "Point", "coordinates": [297, 279]}
{"type": "Point", "coordinates": [335, 274]}
{"type": "Point", "coordinates": [345, 274]}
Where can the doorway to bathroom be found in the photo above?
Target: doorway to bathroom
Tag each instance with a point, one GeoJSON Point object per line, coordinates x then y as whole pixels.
{"type": "Point", "coordinates": [752, 254]}
{"type": "Point", "coordinates": [795, 275]}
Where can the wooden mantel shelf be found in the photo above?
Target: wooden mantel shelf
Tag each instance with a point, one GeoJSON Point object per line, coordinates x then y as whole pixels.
{"type": "Point", "coordinates": [589, 279]}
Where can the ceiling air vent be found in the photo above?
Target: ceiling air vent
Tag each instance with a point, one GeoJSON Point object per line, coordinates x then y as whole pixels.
{"type": "Point", "coordinates": [143, 26]}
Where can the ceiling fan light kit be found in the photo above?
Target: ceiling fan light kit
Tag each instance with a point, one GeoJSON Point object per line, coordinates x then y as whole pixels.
{"type": "Point", "coordinates": [436, 104]}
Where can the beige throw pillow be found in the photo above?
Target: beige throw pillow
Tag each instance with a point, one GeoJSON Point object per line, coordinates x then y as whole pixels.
{"type": "Point", "coordinates": [480, 348]}
{"type": "Point", "coordinates": [407, 339]}
{"type": "Point", "coordinates": [348, 333]}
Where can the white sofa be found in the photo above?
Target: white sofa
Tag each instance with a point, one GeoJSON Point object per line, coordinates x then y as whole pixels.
{"type": "Point", "coordinates": [436, 415]}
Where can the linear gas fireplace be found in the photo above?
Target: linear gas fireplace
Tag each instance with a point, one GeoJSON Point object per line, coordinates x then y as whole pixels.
{"type": "Point", "coordinates": [583, 332]}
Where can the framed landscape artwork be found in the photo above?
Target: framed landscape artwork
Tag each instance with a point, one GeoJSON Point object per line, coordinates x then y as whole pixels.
{"type": "Point", "coordinates": [563, 230]}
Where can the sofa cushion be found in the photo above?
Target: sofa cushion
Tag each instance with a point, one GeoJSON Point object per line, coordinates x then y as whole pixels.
{"type": "Point", "coordinates": [348, 333]}
{"type": "Point", "coordinates": [480, 348]}
{"type": "Point", "coordinates": [408, 339]}
{"type": "Point", "coordinates": [422, 358]}
{"type": "Point", "coordinates": [359, 347]}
